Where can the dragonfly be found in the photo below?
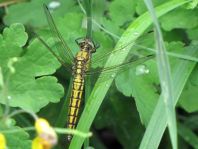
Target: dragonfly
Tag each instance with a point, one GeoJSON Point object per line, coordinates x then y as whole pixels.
{"type": "Point", "coordinates": [80, 66]}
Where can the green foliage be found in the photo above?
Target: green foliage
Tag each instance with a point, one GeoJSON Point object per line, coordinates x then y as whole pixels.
{"type": "Point", "coordinates": [188, 97]}
{"type": "Point", "coordinates": [131, 84]}
{"type": "Point", "coordinates": [20, 139]}
{"type": "Point", "coordinates": [34, 9]}
{"type": "Point", "coordinates": [118, 8]}
{"type": "Point", "coordinates": [133, 102]}
{"type": "Point", "coordinates": [97, 94]}
{"type": "Point", "coordinates": [34, 61]}
{"type": "Point", "coordinates": [120, 120]}
{"type": "Point", "coordinates": [158, 120]}
{"type": "Point", "coordinates": [188, 135]}
{"type": "Point", "coordinates": [181, 18]}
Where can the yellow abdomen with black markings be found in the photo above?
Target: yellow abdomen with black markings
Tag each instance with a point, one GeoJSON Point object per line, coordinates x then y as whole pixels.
{"type": "Point", "coordinates": [75, 101]}
{"type": "Point", "coordinates": [79, 69]}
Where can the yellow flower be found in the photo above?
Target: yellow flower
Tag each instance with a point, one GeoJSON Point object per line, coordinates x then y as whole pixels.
{"type": "Point", "coordinates": [2, 141]}
{"type": "Point", "coordinates": [46, 138]}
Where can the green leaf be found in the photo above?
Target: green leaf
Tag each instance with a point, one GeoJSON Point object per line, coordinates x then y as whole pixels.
{"type": "Point", "coordinates": [28, 87]}
{"type": "Point", "coordinates": [8, 47]}
{"type": "Point", "coordinates": [180, 18]}
{"type": "Point", "coordinates": [120, 13]}
{"type": "Point", "coordinates": [15, 34]}
{"type": "Point", "coordinates": [193, 80]}
{"type": "Point", "coordinates": [34, 9]}
{"type": "Point", "coordinates": [188, 99]}
{"type": "Point", "coordinates": [193, 33]}
{"type": "Point", "coordinates": [131, 84]}
{"type": "Point", "coordinates": [17, 140]}
{"type": "Point", "coordinates": [119, 16]}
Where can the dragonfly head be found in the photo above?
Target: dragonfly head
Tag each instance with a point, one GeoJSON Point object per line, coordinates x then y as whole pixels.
{"type": "Point", "coordinates": [86, 44]}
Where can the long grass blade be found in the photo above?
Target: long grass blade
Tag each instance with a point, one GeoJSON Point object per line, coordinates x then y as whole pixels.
{"type": "Point", "coordinates": [88, 8]}
{"type": "Point", "coordinates": [164, 76]}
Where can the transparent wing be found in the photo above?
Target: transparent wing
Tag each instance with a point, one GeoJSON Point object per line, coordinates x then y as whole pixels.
{"type": "Point", "coordinates": [67, 67]}
{"type": "Point", "coordinates": [122, 67]}
{"type": "Point", "coordinates": [111, 72]}
{"type": "Point", "coordinates": [62, 48]}
{"type": "Point", "coordinates": [148, 37]}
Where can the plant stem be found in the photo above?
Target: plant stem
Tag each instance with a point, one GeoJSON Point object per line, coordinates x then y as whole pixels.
{"type": "Point", "coordinates": [88, 7]}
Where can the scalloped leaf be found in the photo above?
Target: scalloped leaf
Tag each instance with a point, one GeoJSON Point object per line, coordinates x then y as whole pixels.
{"type": "Point", "coordinates": [29, 87]}
{"type": "Point", "coordinates": [142, 87]}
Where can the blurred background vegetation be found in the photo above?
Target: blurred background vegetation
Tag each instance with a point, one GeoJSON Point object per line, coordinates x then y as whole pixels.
{"type": "Point", "coordinates": [128, 106]}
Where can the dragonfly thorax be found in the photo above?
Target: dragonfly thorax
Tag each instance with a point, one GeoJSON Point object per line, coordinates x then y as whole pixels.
{"type": "Point", "coordinates": [81, 64]}
{"type": "Point", "coordinates": [83, 56]}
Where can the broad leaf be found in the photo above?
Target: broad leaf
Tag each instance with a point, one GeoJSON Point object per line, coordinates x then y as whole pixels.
{"type": "Point", "coordinates": [28, 87]}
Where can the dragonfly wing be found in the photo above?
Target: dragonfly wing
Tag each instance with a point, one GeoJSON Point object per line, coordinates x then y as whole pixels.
{"type": "Point", "coordinates": [61, 46]}
{"type": "Point", "coordinates": [67, 67]}
{"type": "Point", "coordinates": [111, 71]}
{"type": "Point", "coordinates": [148, 37]}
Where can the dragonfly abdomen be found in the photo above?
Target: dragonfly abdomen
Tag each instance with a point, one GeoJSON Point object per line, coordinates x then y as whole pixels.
{"type": "Point", "coordinates": [76, 94]}
{"type": "Point", "coordinates": [75, 101]}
